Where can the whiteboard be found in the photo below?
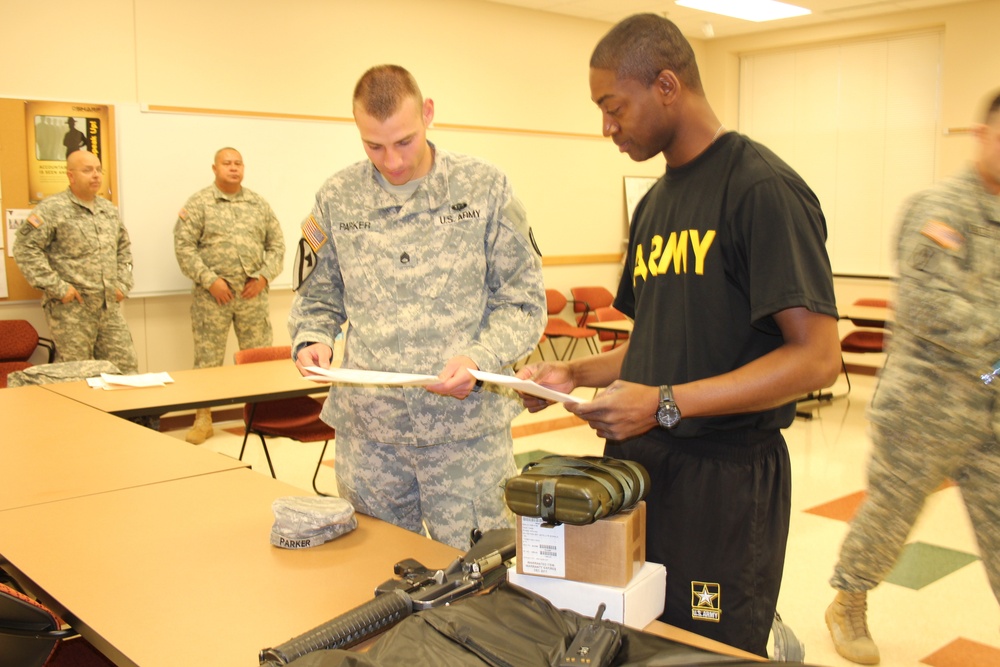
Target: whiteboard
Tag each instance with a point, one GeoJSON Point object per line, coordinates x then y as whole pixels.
{"type": "Point", "coordinates": [164, 158]}
{"type": "Point", "coordinates": [636, 188]}
{"type": "Point", "coordinates": [570, 185]}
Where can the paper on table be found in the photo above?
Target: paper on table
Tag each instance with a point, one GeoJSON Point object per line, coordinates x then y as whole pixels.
{"type": "Point", "coordinates": [109, 381]}
{"type": "Point", "coordinates": [526, 387]}
{"type": "Point", "coordinates": [358, 376]}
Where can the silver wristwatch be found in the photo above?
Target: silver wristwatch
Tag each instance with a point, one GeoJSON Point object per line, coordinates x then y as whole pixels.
{"type": "Point", "coordinates": [667, 415]}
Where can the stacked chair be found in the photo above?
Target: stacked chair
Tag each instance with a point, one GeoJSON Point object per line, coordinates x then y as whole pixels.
{"type": "Point", "coordinates": [559, 327]}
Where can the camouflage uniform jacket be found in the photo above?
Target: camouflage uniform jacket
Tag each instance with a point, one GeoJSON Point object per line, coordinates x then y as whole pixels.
{"type": "Point", "coordinates": [234, 237]}
{"type": "Point", "coordinates": [66, 241]}
{"type": "Point", "coordinates": [946, 332]}
{"type": "Point", "coordinates": [452, 271]}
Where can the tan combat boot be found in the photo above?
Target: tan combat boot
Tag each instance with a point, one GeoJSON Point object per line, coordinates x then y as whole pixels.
{"type": "Point", "coordinates": [202, 428]}
{"type": "Point", "coordinates": [848, 622]}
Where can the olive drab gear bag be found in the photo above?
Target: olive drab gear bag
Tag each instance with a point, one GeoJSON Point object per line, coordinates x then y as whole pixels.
{"type": "Point", "coordinates": [577, 490]}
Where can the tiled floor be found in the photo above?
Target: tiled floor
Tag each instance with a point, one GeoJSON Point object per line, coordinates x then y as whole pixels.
{"type": "Point", "coordinates": [936, 607]}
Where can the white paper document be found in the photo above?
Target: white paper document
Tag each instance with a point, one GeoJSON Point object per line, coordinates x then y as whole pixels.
{"type": "Point", "coordinates": [109, 381]}
{"type": "Point", "coordinates": [358, 376]}
{"type": "Point", "coordinates": [526, 387]}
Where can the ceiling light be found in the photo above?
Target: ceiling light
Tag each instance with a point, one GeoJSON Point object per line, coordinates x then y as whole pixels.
{"type": "Point", "coordinates": [748, 10]}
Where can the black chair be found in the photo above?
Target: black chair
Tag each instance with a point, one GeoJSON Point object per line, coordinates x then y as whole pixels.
{"type": "Point", "coordinates": [31, 635]}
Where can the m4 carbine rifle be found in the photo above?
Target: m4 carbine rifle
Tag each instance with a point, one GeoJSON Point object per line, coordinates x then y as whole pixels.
{"type": "Point", "coordinates": [415, 588]}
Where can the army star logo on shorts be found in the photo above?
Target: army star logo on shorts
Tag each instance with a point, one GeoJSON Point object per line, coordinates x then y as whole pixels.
{"type": "Point", "coordinates": [706, 601]}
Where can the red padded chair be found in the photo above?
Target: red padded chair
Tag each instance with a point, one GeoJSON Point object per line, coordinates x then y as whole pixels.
{"type": "Point", "coordinates": [557, 327]}
{"type": "Point", "coordinates": [296, 418]}
{"type": "Point", "coordinates": [610, 314]}
{"type": "Point", "coordinates": [871, 337]}
{"type": "Point", "coordinates": [18, 341]}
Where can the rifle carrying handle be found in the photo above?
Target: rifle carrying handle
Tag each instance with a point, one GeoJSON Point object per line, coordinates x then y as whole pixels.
{"type": "Point", "coordinates": [346, 630]}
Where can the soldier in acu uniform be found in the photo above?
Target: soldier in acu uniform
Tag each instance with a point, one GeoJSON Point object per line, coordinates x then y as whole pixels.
{"type": "Point", "coordinates": [229, 242]}
{"type": "Point", "coordinates": [75, 249]}
{"type": "Point", "coordinates": [427, 255]}
{"type": "Point", "coordinates": [933, 417]}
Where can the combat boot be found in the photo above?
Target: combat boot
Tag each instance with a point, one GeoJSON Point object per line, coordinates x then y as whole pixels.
{"type": "Point", "coordinates": [202, 428]}
{"type": "Point", "coordinates": [847, 618]}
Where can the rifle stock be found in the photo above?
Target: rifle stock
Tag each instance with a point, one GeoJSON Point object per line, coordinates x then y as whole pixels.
{"type": "Point", "coordinates": [483, 566]}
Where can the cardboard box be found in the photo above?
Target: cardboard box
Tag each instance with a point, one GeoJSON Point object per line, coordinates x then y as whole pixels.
{"type": "Point", "coordinates": [636, 605]}
{"type": "Point", "coordinates": [608, 552]}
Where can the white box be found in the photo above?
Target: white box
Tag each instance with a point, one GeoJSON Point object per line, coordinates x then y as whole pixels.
{"type": "Point", "coordinates": [636, 605]}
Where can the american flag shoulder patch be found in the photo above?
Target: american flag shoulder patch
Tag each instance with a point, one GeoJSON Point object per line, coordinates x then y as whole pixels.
{"type": "Point", "coordinates": [313, 233]}
{"type": "Point", "coordinates": [182, 214]}
{"type": "Point", "coordinates": [942, 234]}
{"type": "Point", "coordinates": [34, 221]}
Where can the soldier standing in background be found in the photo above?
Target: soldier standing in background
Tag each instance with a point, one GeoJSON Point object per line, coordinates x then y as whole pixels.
{"type": "Point", "coordinates": [229, 242]}
{"type": "Point", "coordinates": [428, 255]}
{"type": "Point", "coordinates": [75, 249]}
{"type": "Point", "coordinates": [933, 418]}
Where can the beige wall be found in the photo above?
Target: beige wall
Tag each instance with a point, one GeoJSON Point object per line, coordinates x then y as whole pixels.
{"type": "Point", "coordinates": [485, 65]}
{"type": "Point", "coordinates": [970, 67]}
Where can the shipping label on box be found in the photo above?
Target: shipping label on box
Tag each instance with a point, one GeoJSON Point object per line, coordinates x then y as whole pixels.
{"type": "Point", "coordinates": [542, 549]}
{"type": "Point", "coordinates": [607, 552]}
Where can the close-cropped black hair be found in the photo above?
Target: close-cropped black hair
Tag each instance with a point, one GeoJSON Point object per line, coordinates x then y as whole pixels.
{"type": "Point", "coordinates": [643, 45]}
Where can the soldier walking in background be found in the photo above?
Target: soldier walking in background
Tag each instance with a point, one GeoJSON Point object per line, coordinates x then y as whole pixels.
{"type": "Point", "coordinates": [933, 418]}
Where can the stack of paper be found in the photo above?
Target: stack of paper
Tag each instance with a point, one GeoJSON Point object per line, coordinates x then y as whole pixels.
{"type": "Point", "coordinates": [357, 376]}
{"type": "Point", "coordinates": [108, 381]}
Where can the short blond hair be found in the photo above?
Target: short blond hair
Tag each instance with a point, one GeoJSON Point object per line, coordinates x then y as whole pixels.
{"type": "Point", "coordinates": [381, 90]}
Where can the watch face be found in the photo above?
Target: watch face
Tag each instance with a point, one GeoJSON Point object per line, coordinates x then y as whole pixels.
{"type": "Point", "coordinates": [668, 415]}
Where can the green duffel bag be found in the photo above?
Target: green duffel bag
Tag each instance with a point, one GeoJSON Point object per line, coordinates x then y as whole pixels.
{"type": "Point", "coordinates": [577, 490]}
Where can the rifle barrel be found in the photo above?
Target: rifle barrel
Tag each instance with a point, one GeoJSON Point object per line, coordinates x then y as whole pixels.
{"type": "Point", "coordinates": [345, 630]}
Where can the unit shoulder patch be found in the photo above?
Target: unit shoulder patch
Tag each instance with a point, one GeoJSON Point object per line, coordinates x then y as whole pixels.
{"type": "Point", "coordinates": [304, 265]}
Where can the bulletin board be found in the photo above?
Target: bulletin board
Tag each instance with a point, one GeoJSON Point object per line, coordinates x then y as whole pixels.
{"type": "Point", "coordinates": [33, 165]}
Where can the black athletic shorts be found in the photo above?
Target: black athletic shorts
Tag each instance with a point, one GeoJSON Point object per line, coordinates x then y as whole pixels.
{"type": "Point", "coordinates": [717, 518]}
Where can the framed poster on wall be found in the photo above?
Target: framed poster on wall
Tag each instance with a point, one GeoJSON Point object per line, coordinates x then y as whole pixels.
{"type": "Point", "coordinates": [56, 129]}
